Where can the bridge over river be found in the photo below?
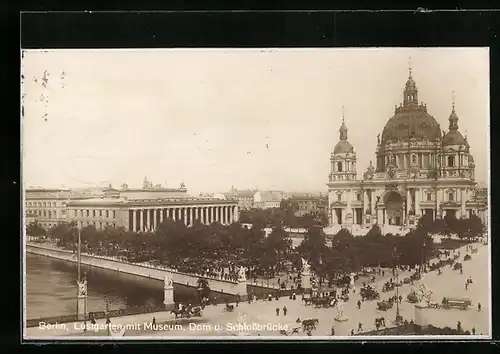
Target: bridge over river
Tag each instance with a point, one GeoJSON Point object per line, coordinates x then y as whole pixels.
{"type": "Point", "coordinates": [219, 285]}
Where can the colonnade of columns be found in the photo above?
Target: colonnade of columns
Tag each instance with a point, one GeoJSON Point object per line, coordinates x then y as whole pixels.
{"type": "Point", "coordinates": [147, 219]}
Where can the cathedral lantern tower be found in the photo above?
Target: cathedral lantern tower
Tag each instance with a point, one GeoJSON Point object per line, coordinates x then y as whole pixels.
{"type": "Point", "coordinates": [457, 164]}
{"type": "Point", "coordinates": [455, 154]}
{"type": "Point", "coordinates": [342, 179]}
{"type": "Point", "coordinates": [343, 158]}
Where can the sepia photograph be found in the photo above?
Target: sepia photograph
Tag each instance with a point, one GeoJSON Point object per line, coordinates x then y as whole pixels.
{"type": "Point", "coordinates": [300, 194]}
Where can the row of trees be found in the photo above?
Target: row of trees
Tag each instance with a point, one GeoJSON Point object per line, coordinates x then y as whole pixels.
{"type": "Point", "coordinates": [286, 216]}
{"type": "Point", "coordinates": [450, 225]}
{"type": "Point", "coordinates": [173, 242]}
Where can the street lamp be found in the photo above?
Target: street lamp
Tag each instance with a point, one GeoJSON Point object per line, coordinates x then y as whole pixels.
{"type": "Point", "coordinates": [422, 260]}
{"type": "Point", "coordinates": [399, 318]}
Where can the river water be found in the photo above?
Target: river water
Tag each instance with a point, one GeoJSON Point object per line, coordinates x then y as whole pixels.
{"type": "Point", "coordinates": [51, 289]}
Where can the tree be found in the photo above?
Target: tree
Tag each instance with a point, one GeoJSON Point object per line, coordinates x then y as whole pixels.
{"type": "Point", "coordinates": [425, 223]}
{"type": "Point", "coordinates": [90, 236]}
{"type": "Point", "coordinates": [66, 234]}
{"type": "Point", "coordinates": [374, 234]}
{"type": "Point", "coordinates": [35, 229]}
{"type": "Point", "coordinates": [438, 227]}
{"type": "Point", "coordinates": [313, 247]}
{"type": "Point", "coordinates": [278, 241]}
{"type": "Point", "coordinates": [344, 243]}
{"type": "Point", "coordinates": [451, 224]}
{"type": "Point", "coordinates": [476, 226]}
{"type": "Point", "coordinates": [470, 228]}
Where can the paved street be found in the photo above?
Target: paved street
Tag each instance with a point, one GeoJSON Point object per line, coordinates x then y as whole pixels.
{"type": "Point", "coordinates": [218, 322]}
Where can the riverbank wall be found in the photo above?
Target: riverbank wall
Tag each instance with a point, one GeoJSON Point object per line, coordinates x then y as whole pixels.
{"type": "Point", "coordinates": [223, 287]}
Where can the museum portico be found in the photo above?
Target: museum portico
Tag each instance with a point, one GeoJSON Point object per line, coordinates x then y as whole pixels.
{"type": "Point", "coordinates": [419, 170]}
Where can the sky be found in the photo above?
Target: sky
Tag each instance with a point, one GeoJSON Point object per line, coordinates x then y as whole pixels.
{"type": "Point", "coordinates": [260, 118]}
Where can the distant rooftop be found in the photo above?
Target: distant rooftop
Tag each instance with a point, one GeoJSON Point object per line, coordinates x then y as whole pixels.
{"type": "Point", "coordinates": [147, 202]}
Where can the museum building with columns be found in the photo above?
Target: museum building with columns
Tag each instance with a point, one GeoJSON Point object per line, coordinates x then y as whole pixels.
{"type": "Point", "coordinates": [144, 209]}
{"type": "Point", "coordinates": [419, 169]}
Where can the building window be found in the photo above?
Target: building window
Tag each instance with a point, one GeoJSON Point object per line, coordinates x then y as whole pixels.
{"type": "Point", "coordinates": [339, 197]}
{"type": "Point", "coordinates": [358, 197]}
{"type": "Point", "coordinates": [451, 161]}
{"type": "Point", "coordinates": [339, 166]}
{"type": "Point", "coordinates": [450, 196]}
{"type": "Point", "coordinates": [100, 213]}
{"type": "Point", "coordinates": [50, 214]}
{"type": "Point", "coordinates": [107, 213]}
{"type": "Point", "coordinates": [93, 213]}
{"type": "Point", "coordinates": [429, 196]}
{"type": "Point", "coordinates": [88, 213]}
{"type": "Point", "coordinates": [114, 215]}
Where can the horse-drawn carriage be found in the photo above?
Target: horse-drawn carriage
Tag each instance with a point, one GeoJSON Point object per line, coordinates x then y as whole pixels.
{"type": "Point", "coordinates": [228, 308]}
{"type": "Point", "coordinates": [187, 312]}
{"type": "Point", "coordinates": [369, 293]}
{"type": "Point", "coordinates": [291, 328]}
{"type": "Point", "coordinates": [406, 281]}
{"type": "Point", "coordinates": [457, 266]}
{"type": "Point", "coordinates": [467, 257]}
{"type": "Point", "coordinates": [454, 302]}
{"type": "Point", "coordinates": [388, 286]}
{"type": "Point", "coordinates": [385, 305]}
{"type": "Point", "coordinates": [321, 302]}
{"type": "Point", "coordinates": [415, 276]}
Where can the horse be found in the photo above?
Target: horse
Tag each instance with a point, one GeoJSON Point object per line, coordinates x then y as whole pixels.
{"type": "Point", "coordinates": [177, 312]}
{"type": "Point", "coordinates": [310, 324]}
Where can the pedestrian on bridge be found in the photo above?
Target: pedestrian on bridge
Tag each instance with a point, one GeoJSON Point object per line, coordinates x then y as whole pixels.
{"type": "Point", "coordinates": [277, 311]}
{"type": "Point", "coordinates": [359, 304]}
{"type": "Point", "coordinates": [360, 327]}
{"type": "Point", "coordinates": [479, 306]}
{"type": "Point", "coordinates": [285, 310]}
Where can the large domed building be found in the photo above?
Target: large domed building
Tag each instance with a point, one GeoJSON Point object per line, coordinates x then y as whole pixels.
{"type": "Point", "coordinates": [419, 169]}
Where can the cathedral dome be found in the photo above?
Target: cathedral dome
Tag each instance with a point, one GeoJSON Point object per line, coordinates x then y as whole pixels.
{"type": "Point", "coordinates": [343, 147]}
{"type": "Point", "coordinates": [411, 119]}
{"type": "Point", "coordinates": [411, 122]}
{"type": "Point", "coordinates": [454, 137]}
